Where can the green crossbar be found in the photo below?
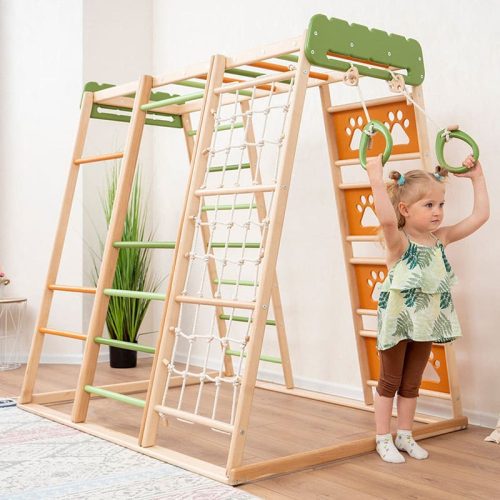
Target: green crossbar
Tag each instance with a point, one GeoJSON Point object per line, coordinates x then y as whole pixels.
{"type": "Point", "coordinates": [328, 41]}
{"type": "Point", "coordinates": [144, 244]}
{"type": "Point", "coordinates": [122, 114]}
{"type": "Point", "coordinates": [181, 99]}
{"type": "Point", "coordinates": [130, 294]}
{"type": "Point", "coordinates": [235, 166]}
{"type": "Point", "coordinates": [244, 72]}
{"type": "Point", "coordinates": [115, 395]}
{"type": "Point", "coordinates": [130, 346]}
{"type": "Point", "coordinates": [244, 319]}
{"type": "Point", "coordinates": [234, 282]}
{"type": "Point", "coordinates": [220, 128]}
{"type": "Point", "coordinates": [234, 245]}
{"type": "Point", "coordinates": [263, 357]}
{"type": "Point", "coordinates": [289, 57]}
{"type": "Point", "coordinates": [244, 206]}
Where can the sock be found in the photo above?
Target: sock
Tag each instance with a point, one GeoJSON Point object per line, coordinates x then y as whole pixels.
{"type": "Point", "coordinates": [405, 442]}
{"type": "Point", "coordinates": [386, 449]}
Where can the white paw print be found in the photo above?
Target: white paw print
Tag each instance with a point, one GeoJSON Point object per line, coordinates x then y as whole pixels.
{"type": "Point", "coordinates": [431, 373]}
{"type": "Point", "coordinates": [375, 282]}
{"type": "Point", "coordinates": [354, 131]}
{"type": "Point", "coordinates": [397, 123]}
{"type": "Point", "coordinates": [366, 208]}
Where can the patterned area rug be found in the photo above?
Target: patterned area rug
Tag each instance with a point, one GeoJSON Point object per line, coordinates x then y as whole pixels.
{"type": "Point", "coordinates": [45, 460]}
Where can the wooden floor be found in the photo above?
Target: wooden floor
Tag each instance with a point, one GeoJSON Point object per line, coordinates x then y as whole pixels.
{"type": "Point", "coordinates": [461, 464]}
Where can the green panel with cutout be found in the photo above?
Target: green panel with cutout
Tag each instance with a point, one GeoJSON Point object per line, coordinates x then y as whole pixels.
{"type": "Point", "coordinates": [121, 114]}
{"type": "Point", "coordinates": [368, 45]}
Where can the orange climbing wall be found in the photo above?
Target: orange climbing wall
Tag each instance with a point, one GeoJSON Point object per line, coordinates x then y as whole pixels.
{"type": "Point", "coordinates": [399, 118]}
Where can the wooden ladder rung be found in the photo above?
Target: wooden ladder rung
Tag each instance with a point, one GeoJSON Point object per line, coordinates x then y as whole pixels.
{"type": "Point", "coordinates": [367, 260]}
{"type": "Point", "coordinates": [360, 185]}
{"type": "Point", "coordinates": [366, 312]}
{"type": "Point", "coordinates": [363, 237]}
{"type": "Point", "coordinates": [400, 157]}
{"type": "Point", "coordinates": [62, 333]}
{"type": "Point", "coordinates": [370, 102]}
{"type": "Point", "coordinates": [368, 333]}
{"type": "Point", "coordinates": [185, 299]}
{"type": "Point", "coordinates": [259, 188]}
{"type": "Point", "coordinates": [67, 288]}
{"type": "Point", "coordinates": [94, 159]}
{"type": "Point", "coordinates": [195, 419]}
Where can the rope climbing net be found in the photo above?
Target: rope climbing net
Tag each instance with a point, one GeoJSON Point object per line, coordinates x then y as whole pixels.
{"type": "Point", "coordinates": [230, 235]}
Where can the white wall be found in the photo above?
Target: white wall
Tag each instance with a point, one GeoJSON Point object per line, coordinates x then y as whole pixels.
{"type": "Point", "coordinates": [461, 86]}
{"type": "Point", "coordinates": [40, 86]}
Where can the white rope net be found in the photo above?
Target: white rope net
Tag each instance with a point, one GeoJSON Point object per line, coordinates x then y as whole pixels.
{"type": "Point", "coordinates": [236, 240]}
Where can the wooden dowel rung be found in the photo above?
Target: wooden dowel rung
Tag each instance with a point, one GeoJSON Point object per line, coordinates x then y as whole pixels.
{"type": "Point", "coordinates": [400, 157]}
{"type": "Point", "coordinates": [366, 312]}
{"type": "Point", "coordinates": [360, 185]}
{"type": "Point", "coordinates": [254, 83]}
{"type": "Point", "coordinates": [363, 238]}
{"type": "Point", "coordinates": [370, 102]}
{"type": "Point", "coordinates": [367, 260]}
{"type": "Point", "coordinates": [281, 68]}
{"type": "Point", "coordinates": [368, 333]}
{"type": "Point", "coordinates": [262, 188]}
{"type": "Point", "coordinates": [184, 299]}
{"type": "Point", "coordinates": [94, 159]}
{"type": "Point", "coordinates": [77, 289]}
{"type": "Point", "coordinates": [61, 333]}
{"type": "Point", "coordinates": [195, 419]}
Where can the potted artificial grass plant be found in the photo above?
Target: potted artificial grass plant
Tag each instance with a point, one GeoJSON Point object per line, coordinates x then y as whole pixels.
{"type": "Point", "coordinates": [133, 272]}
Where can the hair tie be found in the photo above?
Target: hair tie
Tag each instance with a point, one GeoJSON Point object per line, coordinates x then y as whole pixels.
{"type": "Point", "coordinates": [439, 177]}
{"type": "Point", "coordinates": [401, 180]}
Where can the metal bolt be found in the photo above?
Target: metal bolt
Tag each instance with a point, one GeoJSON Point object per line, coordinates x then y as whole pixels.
{"type": "Point", "coordinates": [389, 54]}
{"type": "Point", "coordinates": [312, 51]}
{"type": "Point", "coordinates": [352, 44]}
{"type": "Point", "coordinates": [264, 306]}
{"type": "Point", "coordinates": [315, 33]}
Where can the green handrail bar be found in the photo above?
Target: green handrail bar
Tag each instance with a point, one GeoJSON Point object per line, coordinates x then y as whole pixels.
{"type": "Point", "coordinates": [181, 99]}
{"type": "Point", "coordinates": [234, 282]}
{"type": "Point", "coordinates": [234, 245]}
{"type": "Point", "coordinates": [262, 357]}
{"type": "Point", "coordinates": [220, 128]}
{"type": "Point", "coordinates": [243, 206]}
{"type": "Point", "coordinates": [244, 319]}
{"type": "Point", "coordinates": [130, 346]}
{"type": "Point", "coordinates": [116, 396]}
{"type": "Point", "coordinates": [144, 244]}
{"type": "Point", "coordinates": [228, 167]}
{"type": "Point", "coordinates": [131, 294]}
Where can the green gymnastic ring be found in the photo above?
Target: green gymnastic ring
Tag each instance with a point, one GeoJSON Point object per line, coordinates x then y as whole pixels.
{"type": "Point", "coordinates": [454, 134]}
{"type": "Point", "coordinates": [371, 127]}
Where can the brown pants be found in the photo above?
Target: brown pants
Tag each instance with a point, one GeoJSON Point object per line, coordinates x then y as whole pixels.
{"type": "Point", "coordinates": [401, 368]}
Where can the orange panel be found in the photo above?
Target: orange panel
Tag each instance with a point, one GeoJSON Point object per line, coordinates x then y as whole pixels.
{"type": "Point", "coordinates": [399, 118]}
{"type": "Point", "coordinates": [369, 277]}
{"type": "Point", "coordinates": [435, 374]}
{"type": "Point", "coordinates": [360, 211]}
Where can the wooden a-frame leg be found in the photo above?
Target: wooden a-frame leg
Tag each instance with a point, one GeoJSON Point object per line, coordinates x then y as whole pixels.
{"type": "Point", "coordinates": [110, 255]}
{"type": "Point", "coordinates": [55, 260]}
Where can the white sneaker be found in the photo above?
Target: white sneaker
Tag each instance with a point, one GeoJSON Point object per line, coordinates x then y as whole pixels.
{"type": "Point", "coordinates": [405, 442]}
{"type": "Point", "coordinates": [386, 449]}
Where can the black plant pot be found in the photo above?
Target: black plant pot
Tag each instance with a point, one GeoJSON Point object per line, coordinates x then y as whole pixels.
{"type": "Point", "coordinates": [122, 358]}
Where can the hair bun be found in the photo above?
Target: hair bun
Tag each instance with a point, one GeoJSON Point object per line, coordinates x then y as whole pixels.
{"type": "Point", "coordinates": [395, 175]}
{"type": "Point", "coordinates": [441, 171]}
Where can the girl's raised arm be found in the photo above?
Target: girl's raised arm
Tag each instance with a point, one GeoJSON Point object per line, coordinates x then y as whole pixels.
{"type": "Point", "coordinates": [383, 207]}
{"type": "Point", "coordinates": [480, 212]}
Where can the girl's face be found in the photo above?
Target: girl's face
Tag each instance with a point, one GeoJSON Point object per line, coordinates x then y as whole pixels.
{"type": "Point", "coordinates": [426, 214]}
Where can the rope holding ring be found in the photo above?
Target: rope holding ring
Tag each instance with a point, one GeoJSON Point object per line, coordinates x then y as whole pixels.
{"type": "Point", "coordinates": [370, 129]}
{"type": "Point", "coordinates": [351, 76]}
{"type": "Point", "coordinates": [443, 136]}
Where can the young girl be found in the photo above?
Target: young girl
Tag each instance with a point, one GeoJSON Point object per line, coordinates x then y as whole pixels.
{"type": "Point", "coordinates": [415, 307]}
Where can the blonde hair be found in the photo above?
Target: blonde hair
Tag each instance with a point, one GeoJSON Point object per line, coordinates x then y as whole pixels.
{"type": "Point", "coordinates": [411, 187]}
